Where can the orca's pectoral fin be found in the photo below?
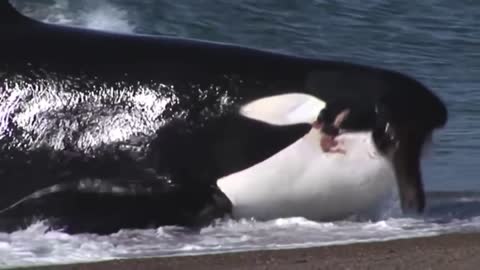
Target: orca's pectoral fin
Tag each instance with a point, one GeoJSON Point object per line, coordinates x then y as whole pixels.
{"type": "Point", "coordinates": [216, 206]}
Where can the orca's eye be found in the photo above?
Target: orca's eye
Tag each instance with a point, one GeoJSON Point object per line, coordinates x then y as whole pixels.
{"type": "Point", "coordinates": [384, 133]}
{"type": "Point", "coordinates": [390, 132]}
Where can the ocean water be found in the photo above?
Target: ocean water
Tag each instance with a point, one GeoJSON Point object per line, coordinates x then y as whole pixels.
{"type": "Point", "coordinates": [435, 41]}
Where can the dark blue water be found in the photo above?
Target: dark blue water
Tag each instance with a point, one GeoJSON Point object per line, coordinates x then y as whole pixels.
{"type": "Point", "coordinates": [436, 41]}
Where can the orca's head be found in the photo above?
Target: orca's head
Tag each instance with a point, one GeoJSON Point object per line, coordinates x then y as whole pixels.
{"type": "Point", "coordinates": [400, 111]}
{"type": "Point", "coordinates": [404, 124]}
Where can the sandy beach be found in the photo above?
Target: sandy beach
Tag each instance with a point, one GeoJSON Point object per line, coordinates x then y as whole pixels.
{"type": "Point", "coordinates": [454, 251]}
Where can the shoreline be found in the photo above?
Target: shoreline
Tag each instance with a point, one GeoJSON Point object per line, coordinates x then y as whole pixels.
{"type": "Point", "coordinates": [449, 251]}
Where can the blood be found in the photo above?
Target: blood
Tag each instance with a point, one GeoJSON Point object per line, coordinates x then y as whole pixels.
{"type": "Point", "coordinates": [330, 132]}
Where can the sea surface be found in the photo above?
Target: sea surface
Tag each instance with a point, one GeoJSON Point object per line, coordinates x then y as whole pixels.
{"type": "Point", "coordinates": [435, 41]}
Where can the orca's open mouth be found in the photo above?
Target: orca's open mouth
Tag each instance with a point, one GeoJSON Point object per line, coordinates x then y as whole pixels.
{"type": "Point", "coordinates": [404, 139]}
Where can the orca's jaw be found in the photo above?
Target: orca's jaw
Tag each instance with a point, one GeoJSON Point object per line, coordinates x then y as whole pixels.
{"type": "Point", "coordinates": [407, 167]}
{"type": "Point", "coordinates": [403, 143]}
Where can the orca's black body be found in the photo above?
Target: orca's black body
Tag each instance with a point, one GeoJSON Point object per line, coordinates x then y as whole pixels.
{"type": "Point", "coordinates": [164, 171]}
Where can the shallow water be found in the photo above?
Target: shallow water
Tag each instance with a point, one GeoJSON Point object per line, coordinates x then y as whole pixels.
{"type": "Point", "coordinates": [448, 212]}
{"type": "Point", "coordinates": [436, 41]}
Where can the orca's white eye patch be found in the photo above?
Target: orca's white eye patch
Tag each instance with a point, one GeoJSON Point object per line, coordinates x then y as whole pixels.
{"type": "Point", "coordinates": [285, 109]}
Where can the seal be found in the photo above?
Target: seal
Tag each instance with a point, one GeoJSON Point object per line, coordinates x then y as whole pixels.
{"type": "Point", "coordinates": [102, 131]}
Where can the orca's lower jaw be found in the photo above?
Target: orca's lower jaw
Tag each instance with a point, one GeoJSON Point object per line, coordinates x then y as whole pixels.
{"type": "Point", "coordinates": [404, 146]}
{"type": "Point", "coordinates": [404, 123]}
{"type": "Point", "coordinates": [407, 167]}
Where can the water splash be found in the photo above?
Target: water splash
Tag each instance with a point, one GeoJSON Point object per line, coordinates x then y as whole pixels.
{"type": "Point", "coordinates": [100, 15]}
{"type": "Point", "coordinates": [49, 113]}
{"type": "Point", "coordinates": [108, 17]}
{"type": "Point", "coordinates": [37, 245]}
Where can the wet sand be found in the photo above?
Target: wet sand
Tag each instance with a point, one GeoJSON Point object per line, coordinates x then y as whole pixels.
{"type": "Point", "coordinates": [455, 251]}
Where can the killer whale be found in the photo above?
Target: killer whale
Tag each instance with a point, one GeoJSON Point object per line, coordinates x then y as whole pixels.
{"type": "Point", "coordinates": [89, 178]}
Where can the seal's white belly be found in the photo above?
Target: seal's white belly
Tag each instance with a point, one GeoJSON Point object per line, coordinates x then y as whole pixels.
{"type": "Point", "coordinates": [302, 180]}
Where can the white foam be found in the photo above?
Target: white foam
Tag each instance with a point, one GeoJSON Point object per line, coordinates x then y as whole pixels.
{"type": "Point", "coordinates": [37, 246]}
{"type": "Point", "coordinates": [31, 106]}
